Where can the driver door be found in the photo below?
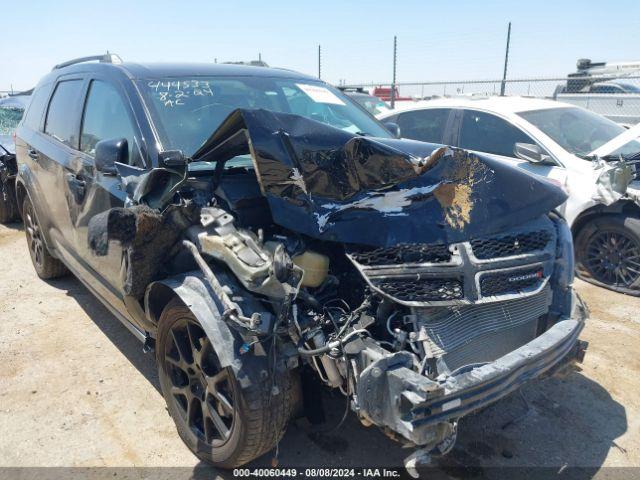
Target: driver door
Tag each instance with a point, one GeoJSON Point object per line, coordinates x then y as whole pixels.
{"type": "Point", "coordinates": [489, 134]}
{"type": "Point", "coordinates": [106, 115]}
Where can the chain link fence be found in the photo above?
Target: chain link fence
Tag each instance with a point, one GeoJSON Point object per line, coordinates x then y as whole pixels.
{"type": "Point", "coordinates": [617, 98]}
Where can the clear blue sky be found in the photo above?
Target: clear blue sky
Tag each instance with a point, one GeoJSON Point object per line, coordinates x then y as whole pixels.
{"type": "Point", "coordinates": [437, 40]}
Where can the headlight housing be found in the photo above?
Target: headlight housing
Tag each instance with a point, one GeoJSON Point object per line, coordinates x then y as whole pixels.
{"type": "Point", "coordinates": [565, 260]}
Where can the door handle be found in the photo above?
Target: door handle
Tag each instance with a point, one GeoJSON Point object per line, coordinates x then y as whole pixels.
{"type": "Point", "coordinates": [33, 154]}
{"type": "Point", "coordinates": [77, 186]}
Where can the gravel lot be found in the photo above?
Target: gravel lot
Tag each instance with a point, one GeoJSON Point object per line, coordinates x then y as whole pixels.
{"type": "Point", "coordinates": [77, 390]}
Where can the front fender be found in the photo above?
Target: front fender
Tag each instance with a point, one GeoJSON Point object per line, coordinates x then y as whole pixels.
{"type": "Point", "coordinates": [194, 291]}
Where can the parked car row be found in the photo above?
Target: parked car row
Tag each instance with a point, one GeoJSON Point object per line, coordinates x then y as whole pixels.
{"type": "Point", "coordinates": [259, 230]}
{"type": "Point", "coordinates": [572, 146]}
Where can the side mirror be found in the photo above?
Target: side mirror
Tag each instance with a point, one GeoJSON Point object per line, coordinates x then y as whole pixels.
{"type": "Point", "coordinates": [394, 128]}
{"type": "Point", "coordinates": [109, 152]}
{"type": "Point", "coordinates": [531, 153]}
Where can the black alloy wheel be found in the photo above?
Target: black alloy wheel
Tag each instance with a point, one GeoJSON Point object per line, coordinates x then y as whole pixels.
{"type": "Point", "coordinates": [608, 253]}
{"type": "Point", "coordinates": [613, 257]}
{"type": "Point", "coordinates": [200, 389]}
{"type": "Point", "coordinates": [220, 421]}
{"type": "Point", "coordinates": [35, 243]}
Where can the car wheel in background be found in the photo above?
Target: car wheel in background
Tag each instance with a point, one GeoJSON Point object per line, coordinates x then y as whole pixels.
{"type": "Point", "coordinates": [221, 423]}
{"type": "Point", "coordinates": [46, 266]}
{"type": "Point", "coordinates": [608, 253]}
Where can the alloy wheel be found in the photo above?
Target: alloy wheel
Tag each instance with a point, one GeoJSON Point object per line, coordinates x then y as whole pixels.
{"type": "Point", "coordinates": [34, 236]}
{"type": "Point", "coordinates": [200, 388]}
{"type": "Point", "coordinates": [613, 258]}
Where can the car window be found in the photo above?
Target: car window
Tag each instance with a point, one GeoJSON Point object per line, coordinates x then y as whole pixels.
{"type": "Point", "coordinates": [105, 117]}
{"type": "Point", "coordinates": [36, 106]}
{"type": "Point", "coordinates": [424, 125]}
{"type": "Point", "coordinates": [9, 119]}
{"type": "Point", "coordinates": [484, 132]}
{"type": "Point", "coordinates": [577, 130]}
{"type": "Point", "coordinates": [60, 123]}
{"type": "Point", "coordinates": [606, 89]}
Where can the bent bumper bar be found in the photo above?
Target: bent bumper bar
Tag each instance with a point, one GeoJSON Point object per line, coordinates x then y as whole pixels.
{"type": "Point", "coordinates": [392, 395]}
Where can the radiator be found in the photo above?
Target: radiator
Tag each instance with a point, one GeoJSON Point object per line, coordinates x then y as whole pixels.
{"type": "Point", "coordinates": [483, 332]}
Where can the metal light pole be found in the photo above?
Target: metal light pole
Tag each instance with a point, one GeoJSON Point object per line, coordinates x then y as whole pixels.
{"type": "Point", "coordinates": [393, 82]}
{"type": "Point", "coordinates": [506, 62]}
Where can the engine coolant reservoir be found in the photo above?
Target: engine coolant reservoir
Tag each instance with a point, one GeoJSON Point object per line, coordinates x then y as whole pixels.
{"type": "Point", "coordinates": [315, 267]}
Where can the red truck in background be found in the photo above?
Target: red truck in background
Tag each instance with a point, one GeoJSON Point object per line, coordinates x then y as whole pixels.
{"type": "Point", "coordinates": [384, 93]}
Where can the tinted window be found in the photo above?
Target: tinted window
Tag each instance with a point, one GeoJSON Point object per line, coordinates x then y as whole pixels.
{"type": "Point", "coordinates": [424, 125]}
{"type": "Point", "coordinates": [105, 117]}
{"type": "Point", "coordinates": [606, 89]}
{"type": "Point", "coordinates": [36, 107]}
{"type": "Point", "coordinates": [487, 133]}
{"type": "Point", "coordinates": [60, 123]}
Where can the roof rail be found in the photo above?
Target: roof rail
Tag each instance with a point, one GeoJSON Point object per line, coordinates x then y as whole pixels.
{"type": "Point", "coordinates": [104, 58]}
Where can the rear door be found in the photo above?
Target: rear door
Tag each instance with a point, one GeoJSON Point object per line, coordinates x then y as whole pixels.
{"type": "Point", "coordinates": [107, 114]}
{"type": "Point", "coordinates": [430, 125]}
{"type": "Point", "coordinates": [54, 153]}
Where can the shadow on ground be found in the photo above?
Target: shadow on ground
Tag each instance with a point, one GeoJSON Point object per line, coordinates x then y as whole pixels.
{"type": "Point", "coordinates": [556, 425]}
{"type": "Point", "coordinates": [115, 331]}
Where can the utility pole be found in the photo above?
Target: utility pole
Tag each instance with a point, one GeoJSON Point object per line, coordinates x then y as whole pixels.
{"type": "Point", "coordinates": [393, 82]}
{"type": "Point", "coordinates": [506, 62]}
{"type": "Point", "coordinates": [319, 62]}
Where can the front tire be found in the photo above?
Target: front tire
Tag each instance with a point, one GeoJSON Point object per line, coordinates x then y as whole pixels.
{"type": "Point", "coordinates": [221, 423]}
{"type": "Point", "coordinates": [608, 253]}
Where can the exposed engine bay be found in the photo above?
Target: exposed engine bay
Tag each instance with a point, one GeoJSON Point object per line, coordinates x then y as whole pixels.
{"type": "Point", "coordinates": [416, 280]}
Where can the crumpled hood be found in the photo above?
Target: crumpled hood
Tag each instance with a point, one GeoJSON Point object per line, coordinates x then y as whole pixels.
{"type": "Point", "coordinates": [334, 185]}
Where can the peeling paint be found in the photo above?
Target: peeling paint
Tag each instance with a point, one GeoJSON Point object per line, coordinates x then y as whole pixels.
{"type": "Point", "coordinates": [389, 203]}
{"type": "Point", "coordinates": [455, 196]}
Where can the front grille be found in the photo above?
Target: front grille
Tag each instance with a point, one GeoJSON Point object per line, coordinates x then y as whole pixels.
{"type": "Point", "coordinates": [509, 245]}
{"type": "Point", "coordinates": [418, 289]}
{"type": "Point", "coordinates": [403, 253]}
{"type": "Point", "coordinates": [470, 333]}
{"type": "Point", "coordinates": [438, 274]}
{"type": "Point", "coordinates": [501, 283]}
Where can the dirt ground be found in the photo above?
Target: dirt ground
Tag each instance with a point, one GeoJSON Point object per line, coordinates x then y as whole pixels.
{"type": "Point", "coordinates": [77, 390]}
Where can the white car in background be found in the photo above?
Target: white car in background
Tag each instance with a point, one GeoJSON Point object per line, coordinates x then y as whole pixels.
{"type": "Point", "coordinates": [595, 160]}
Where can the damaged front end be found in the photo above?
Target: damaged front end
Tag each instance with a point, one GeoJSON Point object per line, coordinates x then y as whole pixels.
{"type": "Point", "coordinates": [423, 282]}
{"type": "Point", "coordinates": [8, 171]}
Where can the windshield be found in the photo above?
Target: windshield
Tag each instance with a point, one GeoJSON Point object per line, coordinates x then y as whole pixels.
{"type": "Point", "coordinates": [9, 119]}
{"type": "Point", "coordinates": [187, 110]}
{"type": "Point", "coordinates": [578, 131]}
